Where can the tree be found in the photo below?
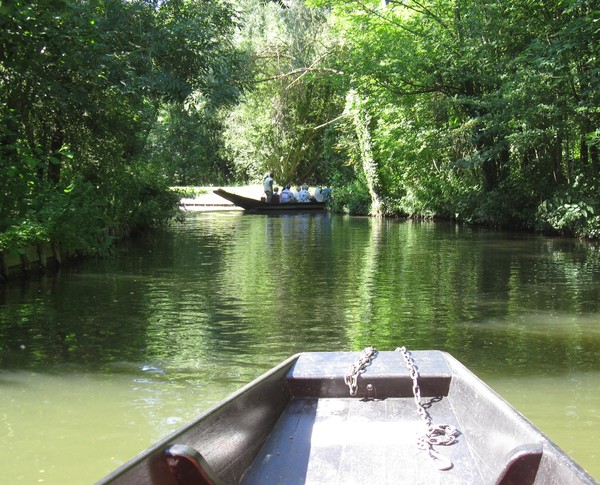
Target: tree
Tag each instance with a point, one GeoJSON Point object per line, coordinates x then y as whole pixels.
{"type": "Point", "coordinates": [82, 84]}
{"type": "Point", "coordinates": [479, 109]}
{"type": "Point", "coordinates": [281, 124]}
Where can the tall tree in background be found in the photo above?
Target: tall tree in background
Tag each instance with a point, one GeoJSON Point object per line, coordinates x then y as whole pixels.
{"type": "Point", "coordinates": [186, 138]}
{"type": "Point", "coordinates": [281, 123]}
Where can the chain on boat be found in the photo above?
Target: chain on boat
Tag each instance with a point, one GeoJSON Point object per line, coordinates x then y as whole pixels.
{"type": "Point", "coordinates": [357, 368]}
{"type": "Point", "coordinates": [439, 434]}
{"type": "Point", "coordinates": [435, 434]}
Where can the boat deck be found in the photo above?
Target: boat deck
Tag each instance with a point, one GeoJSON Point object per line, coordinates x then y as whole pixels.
{"type": "Point", "coordinates": [352, 441]}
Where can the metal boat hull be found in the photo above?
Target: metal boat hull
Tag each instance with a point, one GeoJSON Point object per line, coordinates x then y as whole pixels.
{"type": "Point", "coordinates": [297, 424]}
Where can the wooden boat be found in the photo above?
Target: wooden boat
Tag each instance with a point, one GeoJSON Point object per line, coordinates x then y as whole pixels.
{"type": "Point", "coordinates": [254, 205]}
{"type": "Point", "coordinates": [420, 419]}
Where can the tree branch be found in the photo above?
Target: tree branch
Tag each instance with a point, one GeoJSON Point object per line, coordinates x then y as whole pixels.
{"type": "Point", "coordinates": [422, 9]}
{"type": "Point", "coordinates": [387, 19]}
{"type": "Point", "coordinates": [302, 71]}
{"type": "Point", "coordinates": [343, 115]}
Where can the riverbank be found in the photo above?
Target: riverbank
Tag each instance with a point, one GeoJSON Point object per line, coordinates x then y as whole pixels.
{"type": "Point", "coordinates": [41, 258]}
{"type": "Point", "coordinates": [47, 257]}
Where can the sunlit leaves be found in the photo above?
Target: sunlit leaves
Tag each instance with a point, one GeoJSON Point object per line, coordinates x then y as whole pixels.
{"type": "Point", "coordinates": [282, 121]}
{"type": "Point", "coordinates": [483, 100]}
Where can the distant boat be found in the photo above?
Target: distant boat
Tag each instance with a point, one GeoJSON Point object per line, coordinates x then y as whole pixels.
{"type": "Point", "coordinates": [350, 418]}
{"type": "Point", "coordinates": [254, 205]}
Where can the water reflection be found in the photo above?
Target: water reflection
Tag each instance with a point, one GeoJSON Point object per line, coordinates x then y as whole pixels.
{"type": "Point", "coordinates": [189, 314]}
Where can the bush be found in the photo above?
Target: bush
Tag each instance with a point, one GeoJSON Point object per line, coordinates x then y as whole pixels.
{"type": "Point", "coordinates": [351, 197]}
{"type": "Point", "coordinates": [19, 236]}
{"type": "Point", "coordinates": [569, 215]}
{"type": "Point", "coordinates": [87, 219]}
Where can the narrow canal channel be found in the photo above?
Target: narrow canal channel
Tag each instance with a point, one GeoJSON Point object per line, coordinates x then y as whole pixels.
{"type": "Point", "coordinates": [100, 361]}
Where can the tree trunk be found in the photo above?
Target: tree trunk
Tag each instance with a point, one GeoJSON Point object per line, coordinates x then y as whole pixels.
{"type": "Point", "coordinates": [490, 175]}
{"type": "Point", "coordinates": [361, 120]}
{"type": "Point", "coordinates": [489, 166]}
{"type": "Point", "coordinates": [595, 158]}
{"type": "Point", "coordinates": [10, 132]}
{"type": "Point", "coordinates": [557, 169]}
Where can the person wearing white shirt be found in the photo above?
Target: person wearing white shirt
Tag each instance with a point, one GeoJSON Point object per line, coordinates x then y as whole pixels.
{"type": "Point", "coordinates": [317, 195]}
{"type": "Point", "coordinates": [268, 186]}
{"type": "Point", "coordinates": [295, 191]}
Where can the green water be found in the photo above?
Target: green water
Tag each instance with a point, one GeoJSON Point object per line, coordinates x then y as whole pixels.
{"type": "Point", "coordinates": [102, 360]}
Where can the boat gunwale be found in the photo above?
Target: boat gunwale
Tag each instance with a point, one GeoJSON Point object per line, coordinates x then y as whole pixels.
{"type": "Point", "coordinates": [461, 374]}
{"type": "Point", "coordinates": [172, 438]}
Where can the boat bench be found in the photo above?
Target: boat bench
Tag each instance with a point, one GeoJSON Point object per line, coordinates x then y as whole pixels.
{"type": "Point", "coordinates": [321, 374]}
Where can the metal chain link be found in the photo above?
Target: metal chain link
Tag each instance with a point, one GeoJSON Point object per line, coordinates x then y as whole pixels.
{"type": "Point", "coordinates": [440, 434]}
{"type": "Point", "coordinates": [358, 367]}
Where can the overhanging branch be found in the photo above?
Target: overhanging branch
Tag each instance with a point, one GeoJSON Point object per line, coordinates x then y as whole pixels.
{"type": "Point", "coordinates": [302, 71]}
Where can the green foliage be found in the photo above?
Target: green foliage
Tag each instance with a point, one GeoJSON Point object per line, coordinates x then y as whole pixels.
{"type": "Point", "coordinates": [568, 216]}
{"type": "Point", "coordinates": [74, 219]}
{"type": "Point", "coordinates": [351, 196]}
{"type": "Point", "coordinates": [188, 145]}
{"type": "Point", "coordinates": [473, 110]}
{"type": "Point", "coordinates": [482, 108]}
{"type": "Point", "coordinates": [71, 216]}
{"type": "Point", "coordinates": [574, 211]}
{"type": "Point", "coordinates": [16, 237]}
{"type": "Point", "coordinates": [281, 123]}
{"type": "Point", "coordinates": [84, 154]}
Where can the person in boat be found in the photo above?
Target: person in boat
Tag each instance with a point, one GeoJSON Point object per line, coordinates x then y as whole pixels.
{"type": "Point", "coordinates": [275, 198]}
{"type": "Point", "coordinates": [268, 186]}
{"type": "Point", "coordinates": [304, 194]}
{"type": "Point", "coordinates": [295, 191]}
{"type": "Point", "coordinates": [286, 195]}
{"type": "Point", "coordinates": [326, 193]}
{"type": "Point", "coordinates": [317, 194]}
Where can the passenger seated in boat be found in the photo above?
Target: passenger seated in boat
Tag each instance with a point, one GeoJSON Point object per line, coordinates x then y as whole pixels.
{"type": "Point", "coordinates": [275, 198]}
{"type": "Point", "coordinates": [286, 195]}
{"type": "Point", "coordinates": [304, 194]}
{"type": "Point", "coordinates": [326, 193]}
{"type": "Point", "coordinates": [318, 195]}
{"type": "Point", "coordinates": [295, 191]}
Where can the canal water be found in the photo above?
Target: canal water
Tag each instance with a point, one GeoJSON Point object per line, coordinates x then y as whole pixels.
{"type": "Point", "coordinates": [101, 360]}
